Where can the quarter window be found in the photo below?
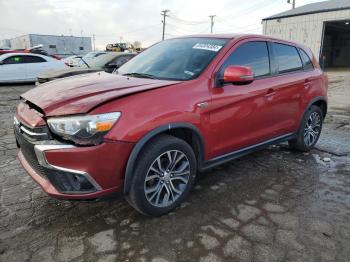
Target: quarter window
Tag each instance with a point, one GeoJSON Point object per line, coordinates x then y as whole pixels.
{"type": "Point", "coordinates": [252, 54]}
{"type": "Point", "coordinates": [306, 60]}
{"type": "Point", "coordinates": [288, 58]}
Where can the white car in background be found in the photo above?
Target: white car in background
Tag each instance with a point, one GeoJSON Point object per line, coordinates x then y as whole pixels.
{"type": "Point", "coordinates": [25, 67]}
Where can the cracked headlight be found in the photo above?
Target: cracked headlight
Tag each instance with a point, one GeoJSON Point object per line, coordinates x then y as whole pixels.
{"type": "Point", "coordinates": [83, 130]}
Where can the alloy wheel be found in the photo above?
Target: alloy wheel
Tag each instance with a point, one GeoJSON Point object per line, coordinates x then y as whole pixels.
{"type": "Point", "coordinates": [312, 129]}
{"type": "Point", "coordinates": [167, 178]}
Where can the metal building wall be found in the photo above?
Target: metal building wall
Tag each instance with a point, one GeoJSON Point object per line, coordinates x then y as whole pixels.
{"type": "Point", "coordinates": [21, 42]}
{"type": "Point", "coordinates": [5, 43]}
{"type": "Point", "coordinates": [54, 45]}
{"type": "Point", "coordinates": [62, 45]}
{"type": "Point", "coordinates": [304, 29]}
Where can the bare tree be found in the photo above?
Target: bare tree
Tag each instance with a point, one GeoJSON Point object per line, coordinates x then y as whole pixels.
{"type": "Point", "coordinates": [137, 44]}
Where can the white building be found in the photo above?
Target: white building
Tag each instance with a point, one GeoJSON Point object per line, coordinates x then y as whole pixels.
{"type": "Point", "coordinates": [322, 26]}
{"type": "Point", "coordinates": [54, 44]}
{"type": "Point", "coordinates": [5, 43]}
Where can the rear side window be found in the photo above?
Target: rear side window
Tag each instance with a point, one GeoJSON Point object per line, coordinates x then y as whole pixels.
{"type": "Point", "coordinates": [252, 54]}
{"type": "Point", "coordinates": [306, 60]}
{"type": "Point", "coordinates": [33, 59]}
{"type": "Point", "coordinates": [288, 58]}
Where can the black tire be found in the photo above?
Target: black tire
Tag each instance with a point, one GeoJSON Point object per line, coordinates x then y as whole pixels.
{"type": "Point", "coordinates": [159, 148]}
{"type": "Point", "coordinates": [301, 143]}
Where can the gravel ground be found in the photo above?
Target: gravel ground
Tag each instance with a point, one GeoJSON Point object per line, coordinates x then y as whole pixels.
{"type": "Point", "coordinates": [273, 205]}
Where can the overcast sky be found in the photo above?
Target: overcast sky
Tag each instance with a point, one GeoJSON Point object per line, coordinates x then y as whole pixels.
{"type": "Point", "coordinates": [134, 19]}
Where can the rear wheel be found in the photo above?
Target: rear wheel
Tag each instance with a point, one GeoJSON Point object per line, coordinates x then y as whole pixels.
{"type": "Point", "coordinates": [310, 130]}
{"type": "Point", "coordinates": [163, 176]}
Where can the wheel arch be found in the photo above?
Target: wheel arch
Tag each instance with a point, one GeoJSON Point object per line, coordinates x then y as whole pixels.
{"type": "Point", "coordinates": [185, 131]}
{"type": "Point", "coordinates": [321, 103]}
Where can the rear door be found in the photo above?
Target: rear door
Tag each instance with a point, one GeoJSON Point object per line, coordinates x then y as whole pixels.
{"type": "Point", "coordinates": [13, 69]}
{"type": "Point", "coordinates": [289, 82]}
{"type": "Point", "coordinates": [34, 66]}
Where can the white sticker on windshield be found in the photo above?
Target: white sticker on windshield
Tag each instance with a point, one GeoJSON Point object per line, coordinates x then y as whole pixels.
{"type": "Point", "coordinates": [189, 73]}
{"type": "Point", "coordinates": [209, 47]}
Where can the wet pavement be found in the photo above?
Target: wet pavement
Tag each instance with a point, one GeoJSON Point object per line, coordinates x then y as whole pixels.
{"type": "Point", "coordinates": [273, 205]}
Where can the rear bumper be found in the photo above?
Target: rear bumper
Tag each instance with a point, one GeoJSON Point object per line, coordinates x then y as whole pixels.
{"type": "Point", "coordinates": [102, 166]}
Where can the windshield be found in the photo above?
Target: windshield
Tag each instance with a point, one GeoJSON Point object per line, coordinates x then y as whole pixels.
{"type": "Point", "coordinates": [174, 59]}
{"type": "Point", "coordinates": [101, 60]}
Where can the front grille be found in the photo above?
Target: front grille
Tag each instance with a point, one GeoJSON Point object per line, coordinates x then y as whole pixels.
{"type": "Point", "coordinates": [33, 133]}
{"type": "Point", "coordinates": [28, 152]}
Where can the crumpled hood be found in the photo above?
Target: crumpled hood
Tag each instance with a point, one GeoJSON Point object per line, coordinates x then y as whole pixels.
{"type": "Point", "coordinates": [79, 94]}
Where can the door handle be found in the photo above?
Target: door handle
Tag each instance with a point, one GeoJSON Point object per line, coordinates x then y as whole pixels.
{"type": "Point", "coordinates": [202, 105]}
{"type": "Point", "coordinates": [270, 92]}
{"type": "Point", "coordinates": [307, 83]}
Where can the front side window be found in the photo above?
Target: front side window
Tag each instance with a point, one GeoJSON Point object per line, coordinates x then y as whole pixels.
{"type": "Point", "coordinates": [288, 58]}
{"type": "Point", "coordinates": [174, 59]}
{"type": "Point", "coordinates": [306, 60]}
{"type": "Point", "coordinates": [252, 54]}
{"type": "Point", "coordinates": [17, 59]}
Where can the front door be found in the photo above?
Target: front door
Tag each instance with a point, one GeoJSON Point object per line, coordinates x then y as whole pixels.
{"type": "Point", "coordinates": [240, 115]}
{"type": "Point", "coordinates": [13, 69]}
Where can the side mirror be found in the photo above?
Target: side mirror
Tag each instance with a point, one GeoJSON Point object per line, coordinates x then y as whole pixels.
{"type": "Point", "coordinates": [238, 75]}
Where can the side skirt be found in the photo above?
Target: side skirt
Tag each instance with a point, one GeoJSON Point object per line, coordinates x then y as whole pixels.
{"type": "Point", "coordinates": [236, 154]}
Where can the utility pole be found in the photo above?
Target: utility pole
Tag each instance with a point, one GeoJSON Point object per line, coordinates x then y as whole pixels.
{"type": "Point", "coordinates": [291, 2]}
{"type": "Point", "coordinates": [93, 40]}
{"type": "Point", "coordinates": [164, 14]}
{"type": "Point", "coordinates": [211, 23]}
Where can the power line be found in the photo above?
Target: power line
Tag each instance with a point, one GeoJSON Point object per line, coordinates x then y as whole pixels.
{"type": "Point", "coordinates": [228, 24]}
{"type": "Point", "coordinates": [130, 32]}
{"type": "Point", "coordinates": [181, 30]}
{"type": "Point", "coordinates": [251, 9]}
{"type": "Point", "coordinates": [187, 22]}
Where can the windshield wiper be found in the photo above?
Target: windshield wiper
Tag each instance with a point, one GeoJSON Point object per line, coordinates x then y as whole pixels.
{"type": "Point", "coordinates": [81, 58]}
{"type": "Point", "coordinates": [140, 75]}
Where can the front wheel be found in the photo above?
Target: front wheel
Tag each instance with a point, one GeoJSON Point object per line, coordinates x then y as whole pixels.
{"type": "Point", "coordinates": [310, 130]}
{"type": "Point", "coordinates": [163, 176]}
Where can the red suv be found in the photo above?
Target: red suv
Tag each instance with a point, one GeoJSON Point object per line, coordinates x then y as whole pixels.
{"type": "Point", "coordinates": [183, 105]}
